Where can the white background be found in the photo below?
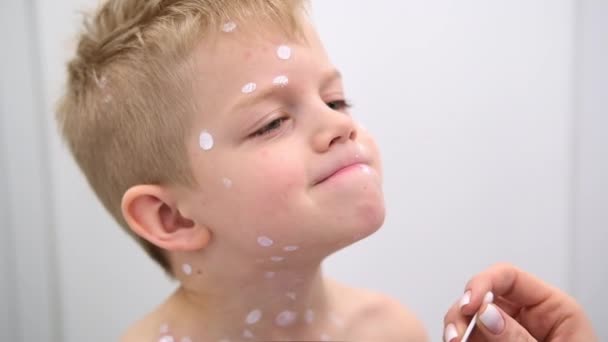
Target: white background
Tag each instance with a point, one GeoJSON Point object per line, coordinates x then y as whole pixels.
{"type": "Point", "coordinates": [492, 120]}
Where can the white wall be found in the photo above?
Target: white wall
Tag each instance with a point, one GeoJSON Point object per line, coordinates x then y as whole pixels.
{"type": "Point", "coordinates": [472, 104]}
{"type": "Point", "coordinates": [591, 151]}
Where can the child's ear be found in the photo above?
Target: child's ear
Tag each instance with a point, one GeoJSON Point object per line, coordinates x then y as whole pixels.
{"type": "Point", "coordinates": [151, 212]}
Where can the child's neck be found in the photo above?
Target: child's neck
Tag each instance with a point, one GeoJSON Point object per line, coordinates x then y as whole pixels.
{"type": "Point", "coordinates": [291, 303]}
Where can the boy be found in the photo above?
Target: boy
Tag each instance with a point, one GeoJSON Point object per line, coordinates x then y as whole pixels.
{"type": "Point", "coordinates": [218, 135]}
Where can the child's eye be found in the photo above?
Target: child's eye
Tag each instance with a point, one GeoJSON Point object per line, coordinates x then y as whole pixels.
{"type": "Point", "coordinates": [273, 125]}
{"type": "Point", "coordinates": [339, 105]}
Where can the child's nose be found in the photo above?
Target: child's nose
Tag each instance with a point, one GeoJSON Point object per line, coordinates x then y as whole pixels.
{"type": "Point", "coordinates": [333, 128]}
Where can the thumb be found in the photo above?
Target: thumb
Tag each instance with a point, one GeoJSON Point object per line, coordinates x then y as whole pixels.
{"type": "Point", "coordinates": [496, 326]}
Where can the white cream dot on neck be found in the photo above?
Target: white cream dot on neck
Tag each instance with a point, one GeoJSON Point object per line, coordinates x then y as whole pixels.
{"type": "Point", "coordinates": [286, 318]}
{"type": "Point", "coordinates": [187, 269]}
{"type": "Point", "coordinates": [253, 317]}
{"type": "Point", "coordinates": [284, 52]}
{"type": "Point", "coordinates": [206, 141]}
{"type": "Point", "coordinates": [265, 241]}
{"type": "Point", "coordinates": [249, 88]}
{"type": "Point", "coordinates": [309, 316]}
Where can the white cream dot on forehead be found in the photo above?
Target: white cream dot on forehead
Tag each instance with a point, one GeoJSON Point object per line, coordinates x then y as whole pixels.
{"type": "Point", "coordinates": [249, 88]}
{"type": "Point", "coordinates": [205, 140]}
{"type": "Point", "coordinates": [285, 318]}
{"type": "Point", "coordinates": [187, 269]}
{"type": "Point", "coordinates": [253, 317]}
{"type": "Point", "coordinates": [281, 81]}
{"type": "Point", "coordinates": [284, 52]}
{"type": "Point", "coordinates": [229, 26]}
{"type": "Point", "coordinates": [265, 241]}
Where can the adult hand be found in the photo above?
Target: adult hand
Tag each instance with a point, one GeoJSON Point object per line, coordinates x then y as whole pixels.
{"type": "Point", "coordinates": [524, 309]}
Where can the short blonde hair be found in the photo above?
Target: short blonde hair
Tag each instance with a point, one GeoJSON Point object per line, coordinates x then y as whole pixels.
{"type": "Point", "coordinates": [128, 100]}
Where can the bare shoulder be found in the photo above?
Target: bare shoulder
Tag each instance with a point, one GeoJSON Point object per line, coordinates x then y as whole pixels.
{"type": "Point", "coordinates": [378, 317]}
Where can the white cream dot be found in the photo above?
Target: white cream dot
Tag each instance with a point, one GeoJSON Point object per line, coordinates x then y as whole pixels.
{"type": "Point", "coordinates": [269, 274]}
{"type": "Point", "coordinates": [366, 169]}
{"type": "Point", "coordinates": [247, 333]}
{"type": "Point", "coordinates": [286, 318]}
{"type": "Point", "coordinates": [253, 317]}
{"type": "Point", "coordinates": [284, 52]}
{"type": "Point", "coordinates": [290, 248]}
{"type": "Point", "coordinates": [281, 81]}
{"type": "Point", "coordinates": [277, 258]}
{"type": "Point", "coordinates": [309, 316]}
{"type": "Point", "coordinates": [166, 338]}
{"type": "Point", "coordinates": [229, 26]}
{"type": "Point", "coordinates": [227, 183]}
{"type": "Point", "coordinates": [187, 269]}
{"type": "Point", "coordinates": [265, 241]}
{"type": "Point", "coordinates": [206, 141]}
{"type": "Point", "coordinates": [249, 88]}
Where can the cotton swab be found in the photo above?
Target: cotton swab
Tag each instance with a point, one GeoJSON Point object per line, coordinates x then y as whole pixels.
{"type": "Point", "coordinates": [488, 298]}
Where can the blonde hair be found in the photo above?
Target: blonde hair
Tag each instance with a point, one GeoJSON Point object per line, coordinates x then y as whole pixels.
{"type": "Point", "coordinates": [127, 105]}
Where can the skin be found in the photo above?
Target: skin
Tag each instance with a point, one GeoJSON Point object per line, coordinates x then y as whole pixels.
{"type": "Point", "coordinates": [275, 150]}
{"type": "Point", "coordinates": [531, 309]}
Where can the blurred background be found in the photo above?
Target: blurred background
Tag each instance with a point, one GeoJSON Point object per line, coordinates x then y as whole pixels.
{"type": "Point", "coordinates": [492, 117]}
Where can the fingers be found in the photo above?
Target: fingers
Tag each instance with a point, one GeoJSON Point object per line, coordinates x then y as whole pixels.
{"type": "Point", "coordinates": [497, 326]}
{"type": "Point", "coordinates": [510, 283]}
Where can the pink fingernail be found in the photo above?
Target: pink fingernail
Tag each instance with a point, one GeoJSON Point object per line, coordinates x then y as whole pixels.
{"type": "Point", "coordinates": [492, 319]}
{"type": "Point", "coordinates": [450, 333]}
{"type": "Point", "coordinates": [466, 299]}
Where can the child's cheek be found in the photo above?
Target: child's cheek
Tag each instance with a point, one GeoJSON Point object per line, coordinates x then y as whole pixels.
{"type": "Point", "coordinates": [276, 176]}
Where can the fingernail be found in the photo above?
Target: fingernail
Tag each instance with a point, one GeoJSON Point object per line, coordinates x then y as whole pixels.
{"type": "Point", "coordinates": [492, 319]}
{"type": "Point", "coordinates": [488, 298]}
{"type": "Point", "coordinates": [466, 299]}
{"type": "Point", "coordinates": [450, 333]}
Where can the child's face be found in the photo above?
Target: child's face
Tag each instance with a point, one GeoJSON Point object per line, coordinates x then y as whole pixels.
{"type": "Point", "coordinates": [262, 179]}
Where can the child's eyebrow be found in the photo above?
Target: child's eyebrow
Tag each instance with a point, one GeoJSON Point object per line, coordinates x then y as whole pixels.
{"type": "Point", "coordinates": [247, 100]}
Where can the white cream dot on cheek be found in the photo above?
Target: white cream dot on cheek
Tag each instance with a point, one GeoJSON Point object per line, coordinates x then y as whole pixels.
{"type": "Point", "coordinates": [285, 318]}
{"type": "Point", "coordinates": [187, 269]}
{"type": "Point", "coordinates": [229, 26]}
{"type": "Point", "coordinates": [253, 317]}
{"type": "Point", "coordinates": [265, 241]}
{"type": "Point", "coordinates": [284, 52]}
{"type": "Point", "coordinates": [281, 81]}
{"type": "Point", "coordinates": [290, 248]}
{"type": "Point", "coordinates": [249, 88]}
{"type": "Point", "coordinates": [206, 141]}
